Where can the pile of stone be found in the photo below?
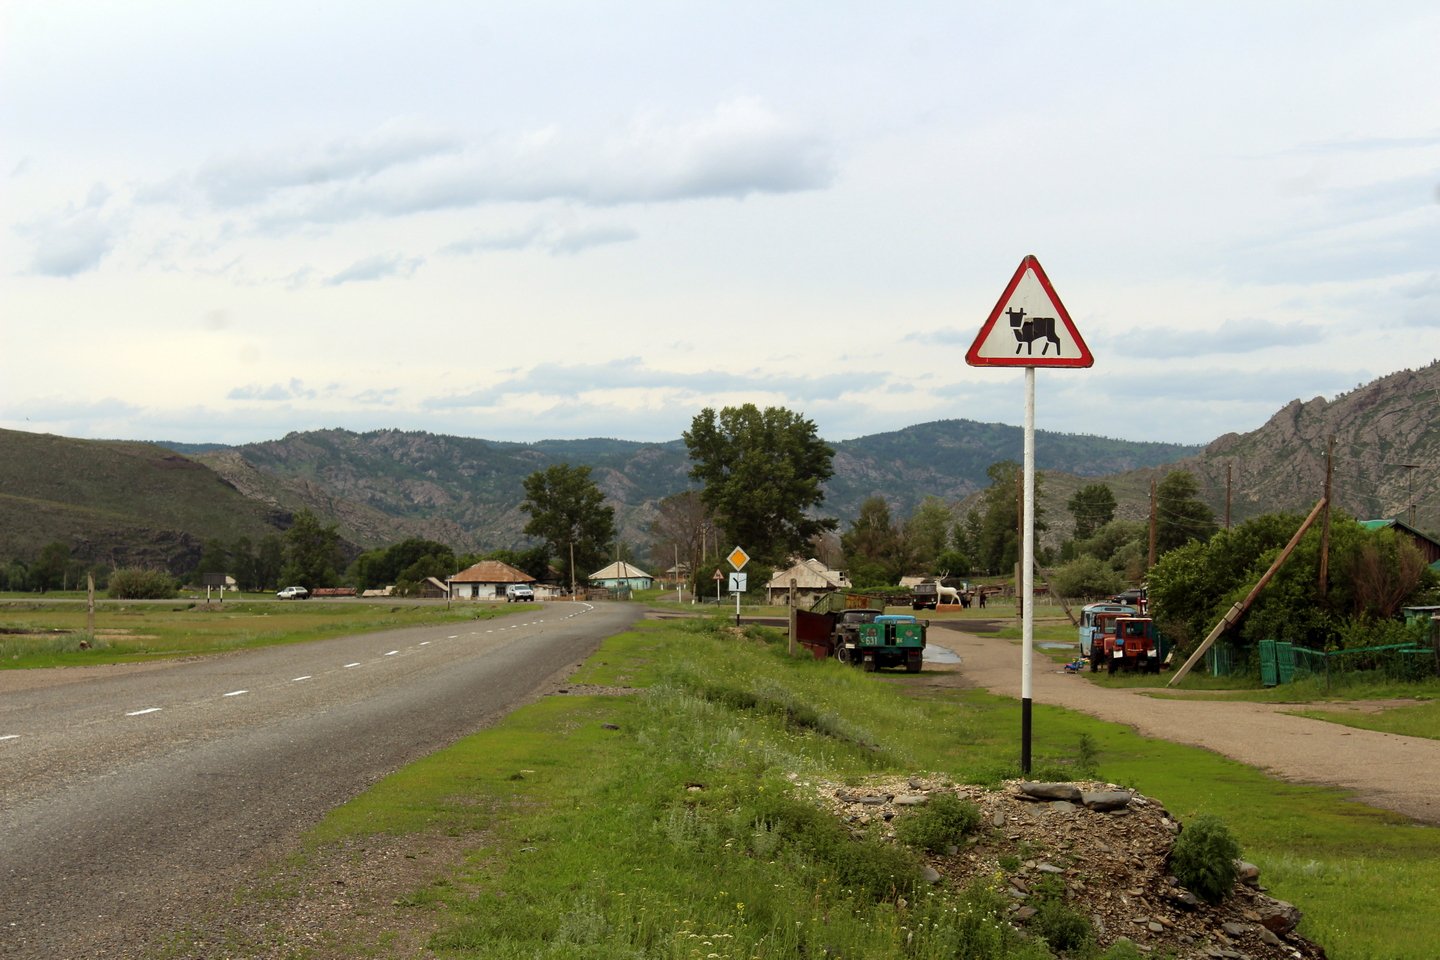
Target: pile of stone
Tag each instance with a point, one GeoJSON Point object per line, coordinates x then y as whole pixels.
{"type": "Point", "coordinates": [1109, 846]}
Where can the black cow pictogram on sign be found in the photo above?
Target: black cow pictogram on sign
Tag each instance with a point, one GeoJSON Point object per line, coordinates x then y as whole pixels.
{"type": "Point", "coordinates": [1036, 328]}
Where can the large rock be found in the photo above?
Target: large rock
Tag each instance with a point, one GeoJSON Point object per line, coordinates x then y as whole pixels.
{"type": "Point", "coordinates": [1050, 791]}
{"type": "Point", "coordinates": [1103, 800]}
{"type": "Point", "coordinates": [1278, 916]}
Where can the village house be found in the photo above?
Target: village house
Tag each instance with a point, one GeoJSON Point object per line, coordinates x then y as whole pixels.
{"type": "Point", "coordinates": [1429, 547]}
{"type": "Point", "coordinates": [812, 579]}
{"type": "Point", "coordinates": [622, 576]}
{"type": "Point", "coordinates": [486, 580]}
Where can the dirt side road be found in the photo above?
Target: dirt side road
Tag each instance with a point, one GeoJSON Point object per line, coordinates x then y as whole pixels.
{"type": "Point", "coordinates": [1384, 770]}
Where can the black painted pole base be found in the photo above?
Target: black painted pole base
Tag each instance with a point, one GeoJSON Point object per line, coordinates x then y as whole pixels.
{"type": "Point", "coordinates": [1025, 705]}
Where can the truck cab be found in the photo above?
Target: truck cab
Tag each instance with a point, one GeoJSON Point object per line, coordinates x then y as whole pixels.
{"type": "Point", "coordinates": [1133, 645]}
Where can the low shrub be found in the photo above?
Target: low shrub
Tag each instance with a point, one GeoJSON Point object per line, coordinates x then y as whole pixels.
{"type": "Point", "coordinates": [134, 583]}
{"type": "Point", "coordinates": [1064, 928]}
{"type": "Point", "coordinates": [944, 820]}
{"type": "Point", "coordinates": [1203, 858]}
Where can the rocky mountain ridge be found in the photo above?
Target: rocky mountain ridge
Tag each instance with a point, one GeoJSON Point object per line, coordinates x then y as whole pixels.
{"type": "Point", "coordinates": [122, 502]}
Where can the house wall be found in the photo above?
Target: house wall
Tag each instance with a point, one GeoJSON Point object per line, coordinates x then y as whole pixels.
{"type": "Point", "coordinates": [479, 591]}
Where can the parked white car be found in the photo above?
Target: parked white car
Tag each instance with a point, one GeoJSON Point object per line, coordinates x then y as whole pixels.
{"type": "Point", "coordinates": [293, 593]}
{"type": "Point", "coordinates": [519, 593]}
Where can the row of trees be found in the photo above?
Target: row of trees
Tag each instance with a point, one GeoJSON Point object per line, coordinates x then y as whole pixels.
{"type": "Point", "coordinates": [1371, 574]}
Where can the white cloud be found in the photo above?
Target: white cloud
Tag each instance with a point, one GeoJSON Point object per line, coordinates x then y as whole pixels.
{"type": "Point", "coordinates": [295, 389]}
{"type": "Point", "coordinates": [76, 239]}
{"type": "Point", "coordinates": [625, 214]}
{"type": "Point", "coordinates": [376, 267]}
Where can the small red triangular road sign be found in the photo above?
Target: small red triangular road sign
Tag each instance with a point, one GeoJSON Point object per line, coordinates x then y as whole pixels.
{"type": "Point", "coordinates": [1038, 332]}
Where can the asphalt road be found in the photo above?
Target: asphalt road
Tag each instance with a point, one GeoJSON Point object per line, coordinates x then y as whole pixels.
{"type": "Point", "coordinates": [128, 797]}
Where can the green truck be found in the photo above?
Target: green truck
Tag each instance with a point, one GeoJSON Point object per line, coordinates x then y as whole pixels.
{"type": "Point", "coordinates": [855, 629]}
{"type": "Point", "coordinates": [888, 640]}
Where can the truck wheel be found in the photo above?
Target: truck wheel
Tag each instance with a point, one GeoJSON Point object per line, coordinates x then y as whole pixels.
{"type": "Point", "coordinates": [1112, 666]}
{"type": "Point", "coordinates": [912, 665]}
{"type": "Point", "coordinates": [870, 665]}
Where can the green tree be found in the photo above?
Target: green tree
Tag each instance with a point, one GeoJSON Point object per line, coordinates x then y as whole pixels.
{"type": "Point", "coordinates": [214, 558]}
{"type": "Point", "coordinates": [966, 535]}
{"type": "Point", "coordinates": [1086, 577]}
{"type": "Point", "coordinates": [16, 577]}
{"type": "Point", "coordinates": [242, 564]}
{"type": "Point", "coordinates": [312, 552]}
{"type": "Point", "coordinates": [50, 567]}
{"type": "Point", "coordinates": [412, 559]}
{"type": "Point", "coordinates": [534, 561]}
{"type": "Point", "coordinates": [135, 583]}
{"type": "Point", "coordinates": [1180, 514]}
{"type": "Point", "coordinates": [874, 546]}
{"type": "Point", "coordinates": [567, 510]}
{"type": "Point", "coordinates": [1371, 575]}
{"type": "Point", "coordinates": [927, 532]}
{"type": "Point", "coordinates": [269, 562]}
{"type": "Point", "coordinates": [763, 472]}
{"type": "Point", "coordinates": [952, 563]}
{"type": "Point", "coordinates": [1092, 506]}
{"type": "Point", "coordinates": [1192, 585]}
{"type": "Point", "coordinates": [997, 544]}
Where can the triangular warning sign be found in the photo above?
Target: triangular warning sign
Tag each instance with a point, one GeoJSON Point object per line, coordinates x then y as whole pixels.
{"type": "Point", "coordinates": [1037, 331]}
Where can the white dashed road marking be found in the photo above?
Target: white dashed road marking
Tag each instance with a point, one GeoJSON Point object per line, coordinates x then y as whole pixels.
{"type": "Point", "coordinates": [306, 677]}
{"type": "Point", "coordinates": [392, 653]}
{"type": "Point", "coordinates": [236, 693]}
{"type": "Point", "coordinates": [141, 713]}
{"type": "Point", "coordinates": [355, 664]}
{"type": "Point", "coordinates": [10, 736]}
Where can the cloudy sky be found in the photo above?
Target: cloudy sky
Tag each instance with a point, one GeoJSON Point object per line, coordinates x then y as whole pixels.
{"type": "Point", "coordinates": [227, 221]}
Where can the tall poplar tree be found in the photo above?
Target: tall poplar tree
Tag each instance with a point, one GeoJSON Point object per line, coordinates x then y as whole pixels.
{"type": "Point", "coordinates": [764, 472]}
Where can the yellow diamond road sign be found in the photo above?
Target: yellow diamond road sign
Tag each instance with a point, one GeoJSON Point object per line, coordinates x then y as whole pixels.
{"type": "Point", "coordinates": [738, 558]}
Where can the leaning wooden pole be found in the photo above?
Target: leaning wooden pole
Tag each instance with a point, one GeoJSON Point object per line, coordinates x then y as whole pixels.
{"type": "Point", "coordinates": [1236, 612]}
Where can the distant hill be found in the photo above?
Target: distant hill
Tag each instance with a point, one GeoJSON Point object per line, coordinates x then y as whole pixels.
{"type": "Point", "coordinates": [107, 498]}
{"type": "Point", "coordinates": [121, 502]}
{"type": "Point", "coordinates": [118, 502]}
{"type": "Point", "coordinates": [469, 491]}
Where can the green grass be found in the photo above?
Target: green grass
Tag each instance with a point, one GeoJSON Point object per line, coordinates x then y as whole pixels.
{"type": "Point", "coordinates": [1419, 719]}
{"type": "Point", "coordinates": [674, 822]}
{"type": "Point", "coordinates": [36, 635]}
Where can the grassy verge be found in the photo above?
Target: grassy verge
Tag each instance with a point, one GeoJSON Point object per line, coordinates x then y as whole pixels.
{"type": "Point", "coordinates": [55, 635]}
{"type": "Point", "coordinates": [1418, 719]}
{"type": "Point", "coordinates": [675, 822]}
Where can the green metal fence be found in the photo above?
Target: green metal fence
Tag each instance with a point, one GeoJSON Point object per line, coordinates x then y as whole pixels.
{"type": "Point", "coordinates": [1402, 661]}
{"type": "Point", "coordinates": [1220, 660]}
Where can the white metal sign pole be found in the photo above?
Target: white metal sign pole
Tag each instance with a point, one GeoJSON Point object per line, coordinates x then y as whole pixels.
{"type": "Point", "coordinates": [1027, 573]}
{"type": "Point", "coordinates": [1033, 315]}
